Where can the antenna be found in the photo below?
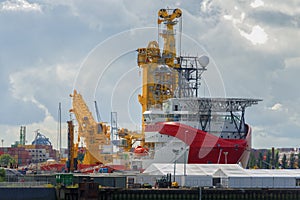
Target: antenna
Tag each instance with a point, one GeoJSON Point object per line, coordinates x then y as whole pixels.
{"type": "Point", "coordinates": [114, 125]}
{"type": "Point", "coordinates": [59, 128]}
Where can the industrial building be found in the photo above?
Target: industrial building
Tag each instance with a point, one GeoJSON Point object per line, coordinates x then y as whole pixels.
{"type": "Point", "coordinates": [222, 175]}
{"type": "Point", "coordinates": [40, 150]}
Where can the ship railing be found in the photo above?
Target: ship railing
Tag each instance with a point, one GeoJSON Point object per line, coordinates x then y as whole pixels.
{"type": "Point", "coordinates": [24, 184]}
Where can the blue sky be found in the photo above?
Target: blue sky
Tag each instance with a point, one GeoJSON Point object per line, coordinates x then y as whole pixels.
{"type": "Point", "coordinates": [50, 47]}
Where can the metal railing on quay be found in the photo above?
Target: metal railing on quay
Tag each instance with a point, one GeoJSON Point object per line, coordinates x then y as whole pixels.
{"type": "Point", "coordinates": [24, 184]}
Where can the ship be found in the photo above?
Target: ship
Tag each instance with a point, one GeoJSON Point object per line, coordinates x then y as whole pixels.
{"type": "Point", "coordinates": [178, 125]}
{"type": "Point", "coordinates": [200, 130]}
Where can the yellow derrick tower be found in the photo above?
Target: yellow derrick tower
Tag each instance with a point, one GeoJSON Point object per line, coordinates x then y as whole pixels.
{"type": "Point", "coordinates": [96, 135]}
{"type": "Point", "coordinates": [160, 77]}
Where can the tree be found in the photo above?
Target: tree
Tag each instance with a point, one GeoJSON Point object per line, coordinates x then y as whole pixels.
{"type": "Point", "coordinates": [298, 161]}
{"type": "Point", "coordinates": [2, 175]}
{"type": "Point", "coordinates": [252, 161]}
{"type": "Point", "coordinates": [284, 162]}
{"type": "Point", "coordinates": [268, 160]}
{"type": "Point", "coordinates": [6, 160]}
{"type": "Point", "coordinates": [260, 160]}
{"type": "Point", "coordinates": [276, 160]}
{"type": "Point", "coordinates": [292, 161]}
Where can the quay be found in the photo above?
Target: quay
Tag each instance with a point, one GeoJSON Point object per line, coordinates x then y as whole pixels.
{"type": "Point", "coordinates": [147, 194]}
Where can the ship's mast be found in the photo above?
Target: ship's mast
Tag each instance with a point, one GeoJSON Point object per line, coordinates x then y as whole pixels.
{"type": "Point", "coordinates": [167, 75]}
{"type": "Point", "coordinates": [160, 79]}
{"type": "Point", "coordinates": [158, 76]}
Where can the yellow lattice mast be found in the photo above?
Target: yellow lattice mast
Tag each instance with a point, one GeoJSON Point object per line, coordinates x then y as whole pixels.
{"type": "Point", "coordinates": [96, 135]}
{"type": "Point", "coordinates": [160, 79]}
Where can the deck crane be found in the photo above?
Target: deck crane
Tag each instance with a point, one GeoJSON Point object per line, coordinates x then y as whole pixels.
{"type": "Point", "coordinates": [96, 134]}
{"type": "Point", "coordinates": [160, 77]}
{"type": "Point", "coordinates": [128, 138]}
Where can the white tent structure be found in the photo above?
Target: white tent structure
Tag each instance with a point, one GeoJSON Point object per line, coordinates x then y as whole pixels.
{"type": "Point", "coordinates": [222, 175]}
{"type": "Point", "coordinates": [195, 175]}
{"type": "Point", "coordinates": [263, 178]}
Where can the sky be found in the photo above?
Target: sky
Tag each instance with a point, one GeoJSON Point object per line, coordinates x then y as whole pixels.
{"type": "Point", "coordinates": [49, 48]}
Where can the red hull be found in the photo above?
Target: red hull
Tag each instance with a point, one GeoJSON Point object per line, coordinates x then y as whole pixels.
{"type": "Point", "coordinates": [207, 148]}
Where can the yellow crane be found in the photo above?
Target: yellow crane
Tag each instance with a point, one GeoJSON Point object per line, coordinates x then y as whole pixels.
{"type": "Point", "coordinates": [96, 135]}
{"type": "Point", "coordinates": [159, 74]}
{"type": "Point", "coordinates": [128, 138]}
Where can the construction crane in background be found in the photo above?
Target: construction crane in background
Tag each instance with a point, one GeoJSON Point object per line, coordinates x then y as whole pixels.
{"type": "Point", "coordinates": [160, 77]}
{"type": "Point", "coordinates": [96, 134]}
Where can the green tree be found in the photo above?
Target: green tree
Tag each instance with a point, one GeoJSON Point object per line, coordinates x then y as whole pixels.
{"type": "Point", "coordinates": [284, 162]}
{"type": "Point", "coordinates": [298, 161]}
{"type": "Point", "coordinates": [260, 160]}
{"type": "Point", "coordinates": [2, 175]}
{"type": "Point", "coordinates": [276, 160]}
{"type": "Point", "coordinates": [268, 160]}
{"type": "Point", "coordinates": [252, 161]}
{"type": "Point", "coordinates": [7, 160]}
{"type": "Point", "coordinates": [292, 161]}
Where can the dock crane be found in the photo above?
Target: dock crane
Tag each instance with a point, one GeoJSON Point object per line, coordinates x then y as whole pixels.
{"type": "Point", "coordinates": [96, 134]}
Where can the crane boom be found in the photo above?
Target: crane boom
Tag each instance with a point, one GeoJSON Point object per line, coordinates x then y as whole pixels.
{"type": "Point", "coordinates": [95, 134]}
{"type": "Point", "coordinates": [97, 112]}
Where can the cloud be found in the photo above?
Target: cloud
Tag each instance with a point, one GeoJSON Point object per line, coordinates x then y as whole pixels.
{"type": "Point", "coordinates": [20, 5]}
{"type": "Point", "coordinates": [48, 127]}
{"type": "Point", "coordinates": [257, 35]}
{"type": "Point", "coordinates": [277, 106]}
{"type": "Point", "coordinates": [263, 139]}
{"type": "Point", "coordinates": [42, 86]}
{"type": "Point", "coordinates": [257, 3]}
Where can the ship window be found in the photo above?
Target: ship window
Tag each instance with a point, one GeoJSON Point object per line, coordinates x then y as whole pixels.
{"type": "Point", "coordinates": [297, 182]}
{"type": "Point", "coordinates": [170, 116]}
{"type": "Point", "coordinates": [147, 116]}
{"type": "Point", "coordinates": [176, 107]}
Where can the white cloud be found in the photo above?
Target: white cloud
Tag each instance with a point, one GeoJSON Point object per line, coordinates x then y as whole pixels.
{"type": "Point", "coordinates": [48, 127]}
{"type": "Point", "coordinates": [20, 5]}
{"type": "Point", "coordinates": [254, 33]}
{"type": "Point", "coordinates": [42, 87]}
{"type": "Point", "coordinates": [257, 3]}
{"type": "Point", "coordinates": [257, 35]}
{"type": "Point", "coordinates": [277, 106]}
{"type": "Point", "coordinates": [26, 84]}
{"type": "Point", "coordinates": [293, 62]}
{"type": "Point", "coordinates": [263, 138]}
